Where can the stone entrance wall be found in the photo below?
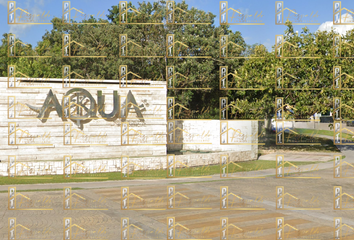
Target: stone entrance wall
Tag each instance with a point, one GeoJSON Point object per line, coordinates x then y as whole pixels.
{"type": "Point", "coordinates": [53, 137]}
{"type": "Point", "coordinates": [39, 134]}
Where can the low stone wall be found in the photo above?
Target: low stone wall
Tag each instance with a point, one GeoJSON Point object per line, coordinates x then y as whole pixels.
{"type": "Point", "coordinates": [35, 168]}
{"type": "Point", "coordinates": [207, 135]}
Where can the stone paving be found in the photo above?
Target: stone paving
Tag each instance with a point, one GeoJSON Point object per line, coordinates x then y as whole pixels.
{"type": "Point", "coordinates": [97, 206]}
{"type": "Point", "coordinates": [251, 215]}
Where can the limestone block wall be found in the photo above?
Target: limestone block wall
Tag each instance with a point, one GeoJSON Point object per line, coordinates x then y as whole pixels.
{"type": "Point", "coordinates": [39, 128]}
{"type": "Point", "coordinates": [213, 136]}
{"type": "Point", "coordinates": [35, 168]}
{"type": "Point", "coordinates": [23, 134]}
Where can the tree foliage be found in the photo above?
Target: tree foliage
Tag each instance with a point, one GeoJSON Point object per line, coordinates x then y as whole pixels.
{"type": "Point", "coordinates": [256, 68]}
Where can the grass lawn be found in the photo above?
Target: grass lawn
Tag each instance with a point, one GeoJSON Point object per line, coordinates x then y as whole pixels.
{"type": "Point", "coordinates": [323, 132]}
{"type": "Point", "coordinates": [150, 174]}
{"type": "Point", "coordinates": [326, 145]}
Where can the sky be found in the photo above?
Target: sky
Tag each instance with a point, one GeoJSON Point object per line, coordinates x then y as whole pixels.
{"type": "Point", "coordinates": [262, 34]}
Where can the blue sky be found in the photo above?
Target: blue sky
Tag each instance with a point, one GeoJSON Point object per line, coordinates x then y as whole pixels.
{"type": "Point", "coordinates": [264, 34]}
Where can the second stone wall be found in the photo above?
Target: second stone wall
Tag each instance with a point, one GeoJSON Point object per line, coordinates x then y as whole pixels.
{"type": "Point", "coordinates": [213, 136]}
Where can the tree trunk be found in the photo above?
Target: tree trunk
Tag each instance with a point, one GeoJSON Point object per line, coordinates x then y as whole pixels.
{"type": "Point", "coordinates": [268, 129]}
{"type": "Point", "coordinates": [268, 123]}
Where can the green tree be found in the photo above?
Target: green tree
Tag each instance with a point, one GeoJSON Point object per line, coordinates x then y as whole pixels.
{"type": "Point", "coordinates": [306, 85]}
